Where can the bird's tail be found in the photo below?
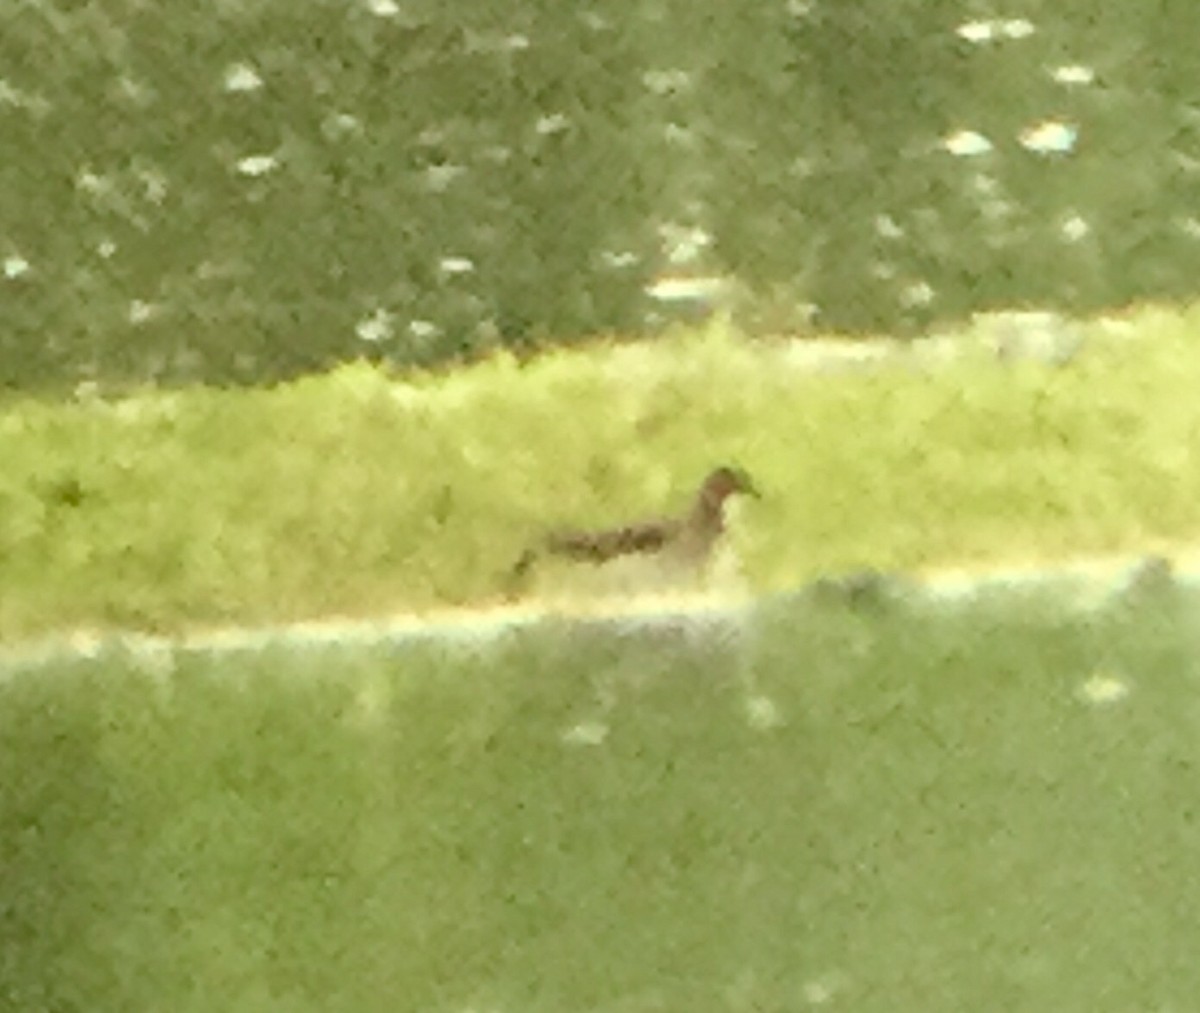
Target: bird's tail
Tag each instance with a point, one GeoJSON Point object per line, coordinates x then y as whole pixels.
{"type": "Point", "coordinates": [518, 573]}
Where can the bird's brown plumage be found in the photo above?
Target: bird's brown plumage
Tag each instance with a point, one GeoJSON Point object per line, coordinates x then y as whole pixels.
{"type": "Point", "coordinates": [690, 538]}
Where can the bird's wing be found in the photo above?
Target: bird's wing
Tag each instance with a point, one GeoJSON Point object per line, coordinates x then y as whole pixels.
{"type": "Point", "coordinates": [599, 546]}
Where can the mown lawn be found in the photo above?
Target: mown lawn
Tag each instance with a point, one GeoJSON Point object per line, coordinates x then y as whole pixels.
{"type": "Point", "coordinates": [356, 493]}
{"type": "Point", "coordinates": [882, 807]}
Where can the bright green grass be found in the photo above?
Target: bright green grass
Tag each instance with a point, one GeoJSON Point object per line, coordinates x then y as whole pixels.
{"type": "Point", "coordinates": [352, 493]}
{"type": "Point", "coordinates": [895, 809]}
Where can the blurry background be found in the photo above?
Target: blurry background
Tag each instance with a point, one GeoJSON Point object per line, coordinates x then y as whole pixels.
{"type": "Point", "coordinates": [241, 191]}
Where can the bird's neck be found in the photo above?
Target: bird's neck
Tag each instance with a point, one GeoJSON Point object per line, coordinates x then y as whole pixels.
{"type": "Point", "coordinates": [708, 513]}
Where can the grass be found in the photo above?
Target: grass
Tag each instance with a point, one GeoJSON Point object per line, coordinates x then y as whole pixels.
{"type": "Point", "coordinates": [870, 805]}
{"type": "Point", "coordinates": [353, 493]}
{"type": "Point", "coordinates": [891, 808]}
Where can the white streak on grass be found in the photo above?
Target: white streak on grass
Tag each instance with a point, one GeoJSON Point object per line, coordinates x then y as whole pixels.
{"type": "Point", "coordinates": [1103, 688]}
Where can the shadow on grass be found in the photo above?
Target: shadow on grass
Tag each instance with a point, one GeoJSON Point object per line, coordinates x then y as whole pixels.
{"type": "Point", "coordinates": [868, 803]}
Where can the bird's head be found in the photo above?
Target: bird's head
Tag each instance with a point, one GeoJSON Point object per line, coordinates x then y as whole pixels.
{"type": "Point", "coordinates": [727, 481]}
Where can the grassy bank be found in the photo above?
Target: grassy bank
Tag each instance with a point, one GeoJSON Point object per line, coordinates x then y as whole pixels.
{"type": "Point", "coordinates": [354, 493]}
{"type": "Point", "coordinates": [896, 808]}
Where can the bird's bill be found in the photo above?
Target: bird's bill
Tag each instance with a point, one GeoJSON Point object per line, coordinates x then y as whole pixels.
{"type": "Point", "coordinates": [748, 486]}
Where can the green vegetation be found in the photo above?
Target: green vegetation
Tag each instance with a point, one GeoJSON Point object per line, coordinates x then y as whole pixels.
{"type": "Point", "coordinates": [865, 801]}
{"type": "Point", "coordinates": [886, 809]}
{"type": "Point", "coordinates": [356, 493]}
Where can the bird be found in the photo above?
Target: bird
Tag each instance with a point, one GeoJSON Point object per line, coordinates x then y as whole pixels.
{"type": "Point", "coordinates": [682, 545]}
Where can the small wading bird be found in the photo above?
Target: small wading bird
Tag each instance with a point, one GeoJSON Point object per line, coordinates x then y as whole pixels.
{"type": "Point", "coordinates": [681, 546]}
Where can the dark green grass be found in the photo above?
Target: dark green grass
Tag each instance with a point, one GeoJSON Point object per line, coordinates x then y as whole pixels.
{"type": "Point", "coordinates": [926, 815]}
